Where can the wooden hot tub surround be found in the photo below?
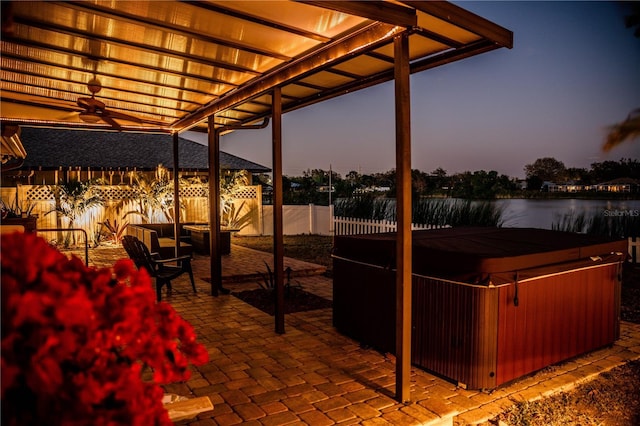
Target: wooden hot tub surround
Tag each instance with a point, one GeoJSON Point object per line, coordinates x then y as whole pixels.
{"type": "Point", "coordinates": [477, 320]}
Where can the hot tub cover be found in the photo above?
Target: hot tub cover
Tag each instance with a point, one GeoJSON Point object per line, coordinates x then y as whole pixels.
{"type": "Point", "coordinates": [467, 254]}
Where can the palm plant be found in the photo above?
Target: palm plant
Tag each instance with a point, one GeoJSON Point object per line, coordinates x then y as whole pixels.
{"type": "Point", "coordinates": [73, 199]}
{"type": "Point", "coordinates": [16, 209]}
{"type": "Point", "coordinates": [236, 217]}
{"type": "Point", "coordinates": [153, 195]}
{"type": "Point", "coordinates": [230, 184]}
{"type": "Point", "coordinates": [116, 230]}
{"type": "Point", "coordinates": [270, 280]}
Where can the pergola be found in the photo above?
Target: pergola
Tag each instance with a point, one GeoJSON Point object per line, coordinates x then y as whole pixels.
{"type": "Point", "coordinates": [220, 66]}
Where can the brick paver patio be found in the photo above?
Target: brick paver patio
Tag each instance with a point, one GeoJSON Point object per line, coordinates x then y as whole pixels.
{"type": "Point", "coordinates": [314, 375]}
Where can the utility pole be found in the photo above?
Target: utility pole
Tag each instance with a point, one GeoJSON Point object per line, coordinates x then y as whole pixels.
{"type": "Point", "coordinates": [330, 173]}
{"type": "Point", "coordinates": [330, 205]}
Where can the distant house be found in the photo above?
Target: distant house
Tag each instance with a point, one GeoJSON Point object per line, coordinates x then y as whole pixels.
{"type": "Point", "coordinates": [369, 189]}
{"type": "Point", "coordinates": [325, 188]}
{"type": "Point", "coordinates": [619, 185]}
{"type": "Point", "coordinates": [548, 187]}
{"type": "Point", "coordinates": [53, 154]}
{"type": "Point", "coordinates": [565, 187]}
{"type": "Point", "coordinates": [572, 187]}
{"type": "Point", "coordinates": [622, 185]}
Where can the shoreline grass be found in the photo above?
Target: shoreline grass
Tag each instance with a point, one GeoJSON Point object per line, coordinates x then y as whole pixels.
{"type": "Point", "coordinates": [425, 211]}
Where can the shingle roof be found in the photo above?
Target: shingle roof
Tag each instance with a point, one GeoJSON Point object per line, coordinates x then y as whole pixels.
{"type": "Point", "coordinates": [52, 148]}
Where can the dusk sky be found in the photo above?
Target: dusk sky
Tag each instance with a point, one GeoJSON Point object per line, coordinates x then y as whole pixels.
{"type": "Point", "coordinates": [574, 69]}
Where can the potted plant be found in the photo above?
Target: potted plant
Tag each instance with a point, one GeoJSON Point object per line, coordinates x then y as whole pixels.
{"type": "Point", "coordinates": [19, 214]}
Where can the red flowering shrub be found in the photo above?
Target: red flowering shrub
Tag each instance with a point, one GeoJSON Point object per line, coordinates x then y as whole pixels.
{"type": "Point", "coordinates": [75, 340]}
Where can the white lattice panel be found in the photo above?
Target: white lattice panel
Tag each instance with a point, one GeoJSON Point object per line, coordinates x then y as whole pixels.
{"type": "Point", "coordinates": [246, 193]}
{"type": "Point", "coordinates": [194, 191]}
{"type": "Point", "coordinates": [37, 193]}
{"type": "Point", "coordinates": [116, 192]}
{"type": "Point", "coordinates": [194, 198]}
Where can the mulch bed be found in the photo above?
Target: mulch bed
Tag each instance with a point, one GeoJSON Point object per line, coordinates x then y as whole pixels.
{"type": "Point", "coordinates": [295, 300]}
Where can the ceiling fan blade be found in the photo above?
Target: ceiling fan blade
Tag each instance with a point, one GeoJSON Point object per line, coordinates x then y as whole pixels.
{"type": "Point", "coordinates": [69, 115]}
{"type": "Point", "coordinates": [109, 120]}
{"type": "Point", "coordinates": [90, 104]}
{"type": "Point", "coordinates": [91, 117]}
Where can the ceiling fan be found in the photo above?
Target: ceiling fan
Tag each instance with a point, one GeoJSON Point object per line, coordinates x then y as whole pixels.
{"type": "Point", "coordinates": [94, 110]}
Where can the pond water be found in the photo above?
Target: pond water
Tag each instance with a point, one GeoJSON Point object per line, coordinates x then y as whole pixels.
{"type": "Point", "coordinates": [525, 213]}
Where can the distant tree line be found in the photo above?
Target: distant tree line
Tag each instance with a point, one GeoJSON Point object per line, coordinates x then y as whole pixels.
{"type": "Point", "coordinates": [313, 186]}
{"type": "Point", "coordinates": [551, 170]}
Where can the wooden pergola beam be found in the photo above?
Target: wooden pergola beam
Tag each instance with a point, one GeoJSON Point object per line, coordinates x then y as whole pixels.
{"type": "Point", "coordinates": [375, 10]}
{"type": "Point", "coordinates": [463, 18]}
{"type": "Point", "coordinates": [333, 52]}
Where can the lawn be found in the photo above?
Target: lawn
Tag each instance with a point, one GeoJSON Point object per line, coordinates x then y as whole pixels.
{"type": "Point", "coordinates": [310, 248]}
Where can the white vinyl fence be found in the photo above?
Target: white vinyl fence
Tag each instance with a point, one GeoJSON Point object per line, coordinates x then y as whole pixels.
{"type": "Point", "coordinates": [297, 220]}
{"type": "Point", "coordinates": [319, 220]}
{"type": "Point", "coordinates": [351, 226]}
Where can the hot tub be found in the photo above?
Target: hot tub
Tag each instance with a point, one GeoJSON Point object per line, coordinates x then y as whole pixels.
{"type": "Point", "coordinates": [489, 305]}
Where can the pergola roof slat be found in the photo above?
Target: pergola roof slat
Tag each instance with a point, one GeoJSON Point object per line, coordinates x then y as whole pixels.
{"type": "Point", "coordinates": [181, 61]}
{"type": "Point", "coordinates": [174, 29]}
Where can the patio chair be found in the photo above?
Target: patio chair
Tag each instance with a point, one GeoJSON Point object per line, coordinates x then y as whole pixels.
{"type": "Point", "coordinates": [156, 266]}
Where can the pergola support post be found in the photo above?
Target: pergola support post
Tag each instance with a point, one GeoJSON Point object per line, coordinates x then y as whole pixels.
{"type": "Point", "coordinates": [176, 192]}
{"type": "Point", "coordinates": [278, 241]}
{"type": "Point", "coordinates": [215, 244]}
{"type": "Point", "coordinates": [215, 255]}
{"type": "Point", "coordinates": [403, 203]}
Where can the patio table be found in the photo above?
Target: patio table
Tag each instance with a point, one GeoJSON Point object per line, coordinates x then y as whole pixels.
{"type": "Point", "coordinates": [200, 238]}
